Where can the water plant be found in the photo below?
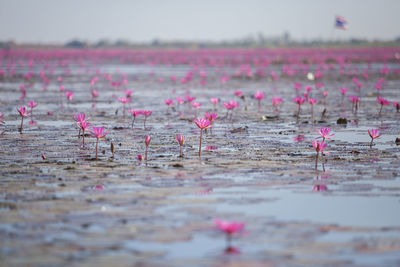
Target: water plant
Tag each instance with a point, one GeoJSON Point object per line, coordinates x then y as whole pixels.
{"type": "Point", "coordinates": [319, 147]}
{"type": "Point", "coordinates": [312, 101]}
{"type": "Point", "coordinates": [147, 141]}
{"type": "Point", "coordinates": [299, 101]}
{"type": "Point", "coordinates": [98, 133]}
{"type": "Point", "coordinates": [202, 124]}
{"type": "Point", "coordinates": [169, 103]}
{"type": "Point", "coordinates": [355, 100]}
{"type": "Point", "coordinates": [374, 134]}
{"type": "Point", "coordinates": [134, 113]}
{"type": "Point", "coordinates": [146, 114]}
{"type": "Point", "coordinates": [325, 133]}
{"type": "Point", "coordinates": [180, 138]}
{"type": "Point", "coordinates": [214, 101]}
{"type": "Point", "coordinates": [32, 105]}
{"type": "Point", "coordinates": [23, 112]}
{"type": "Point", "coordinates": [259, 96]}
{"type": "Point", "coordinates": [79, 118]}
{"type": "Point", "coordinates": [383, 102]}
{"type": "Point", "coordinates": [124, 100]}
{"type": "Point", "coordinates": [229, 228]}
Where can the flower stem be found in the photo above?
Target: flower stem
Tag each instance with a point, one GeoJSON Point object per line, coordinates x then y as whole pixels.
{"type": "Point", "coordinates": [316, 161]}
{"type": "Point", "coordinates": [201, 136]}
{"type": "Point", "coordinates": [180, 152]}
{"type": "Point", "coordinates": [145, 154]}
{"type": "Point", "coordinates": [380, 111]}
{"type": "Point", "coordinates": [22, 123]}
{"type": "Point", "coordinates": [97, 147]}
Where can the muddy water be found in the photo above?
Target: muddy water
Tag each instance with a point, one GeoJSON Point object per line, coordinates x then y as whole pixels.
{"type": "Point", "coordinates": [70, 209]}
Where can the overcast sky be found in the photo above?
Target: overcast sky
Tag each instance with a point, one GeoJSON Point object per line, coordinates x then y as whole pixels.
{"type": "Point", "coordinates": [58, 21]}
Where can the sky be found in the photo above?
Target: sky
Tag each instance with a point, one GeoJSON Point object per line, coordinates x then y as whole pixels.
{"type": "Point", "coordinates": [60, 21]}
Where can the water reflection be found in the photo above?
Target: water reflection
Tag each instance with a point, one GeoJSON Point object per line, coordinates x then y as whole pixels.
{"type": "Point", "coordinates": [320, 185]}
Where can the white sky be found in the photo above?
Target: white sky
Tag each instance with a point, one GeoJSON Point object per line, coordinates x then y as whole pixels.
{"type": "Point", "coordinates": [58, 21]}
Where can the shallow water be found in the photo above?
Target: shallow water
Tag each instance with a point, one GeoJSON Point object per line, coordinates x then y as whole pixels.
{"type": "Point", "coordinates": [70, 209]}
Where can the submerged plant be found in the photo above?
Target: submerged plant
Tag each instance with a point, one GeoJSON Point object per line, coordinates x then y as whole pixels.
{"type": "Point", "coordinates": [319, 147]}
{"type": "Point", "coordinates": [23, 112]}
{"type": "Point", "coordinates": [202, 124]}
{"type": "Point", "coordinates": [99, 133]}
{"type": "Point", "coordinates": [374, 134]}
{"type": "Point", "coordinates": [147, 141]}
{"type": "Point", "coordinates": [180, 138]}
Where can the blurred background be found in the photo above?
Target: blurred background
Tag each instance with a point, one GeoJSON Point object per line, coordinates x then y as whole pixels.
{"type": "Point", "coordinates": [206, 23]}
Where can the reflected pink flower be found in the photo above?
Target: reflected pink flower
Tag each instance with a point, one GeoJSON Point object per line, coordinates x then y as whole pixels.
{"type": "Point", "coordinates": [232, 250]}
{"type": "Point", "coordinates": [319, 188]}
{"type": "Point", "coordinates": [139, 157]}
{"type": "Point", "coordinates": [210, 148]}
{"type": "Point", "coordinates": [300, 138]}
{"type": "Point", "coordinates": [374, 134]}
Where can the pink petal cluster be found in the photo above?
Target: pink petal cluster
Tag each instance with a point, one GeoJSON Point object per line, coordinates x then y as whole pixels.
{"type": "Point", "coordinates": [229, 228]}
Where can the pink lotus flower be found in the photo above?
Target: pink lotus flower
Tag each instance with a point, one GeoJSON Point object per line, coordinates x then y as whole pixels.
{"type": "Point", "coordinates": [229, 228]}
{"type": "Point", "coordinates": [128, 93]}
{"type": "Point", "coordinates": [196, 106]}
{"type": "Point", "coordinates": [134, 113]}
{"type": "Point", "coordinates": [70, 95]}
{"type": "Point", "coordinates": [383, 102]}
{"type": "Point", "coordinates": [259, 96]}
{"type": "Point", "coordinates": [99, 133]}
{"type": "Point", "coordinates": [180, 138]}
{"type": "Point", "coordinates": [324, 132]}
{"type": "Point", "coordinates": [190, 98]}
{"type": "Point", "coordinates": [32, 105]}
{"type": "Point", "coordinates": [344, 90]}
{"type": "Point", "coordinates": [298, 86]}
{"type": "Point", "coordinates": [276, 101]}
{"type": "Point", "coordinates": [95, 94]}
{"type": "Point", "coordinates": [355, 100]}
{"type": "Point", "coordinates": [124, 100]}
{"type": "Point", "coordinates": [147, 141]}
{"type": "Point", "coordinates": [239, 93]}
{"type": "Point", "coordinates": [374, 134]}
{"type": "Point", "coordinates": [180, 100]}
{"type": "Point", "coordinates": [211, 117]}
{"type": "Point", "coordinates": [23, 112]}
{"type": "Point", "coordinates": [202, 124]}
{"type": "Point", "coordinates": [146, 114]}
{"type": "Point", "coordinates": [84, 125]}
{"type": "Point", "coordinates": [299, 101]}
{"type": "Point", "coordinates": [169, 102]}
{"type": "Point", "coordinates": [319, 147]}
{"type": "Point", "coordinates": [215, 102]}
{"type": "Point", "coordinates": [139, 157]}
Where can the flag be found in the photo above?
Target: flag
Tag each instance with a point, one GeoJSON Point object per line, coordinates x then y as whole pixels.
{"type": "Point", "coordinates": [341, 23]}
